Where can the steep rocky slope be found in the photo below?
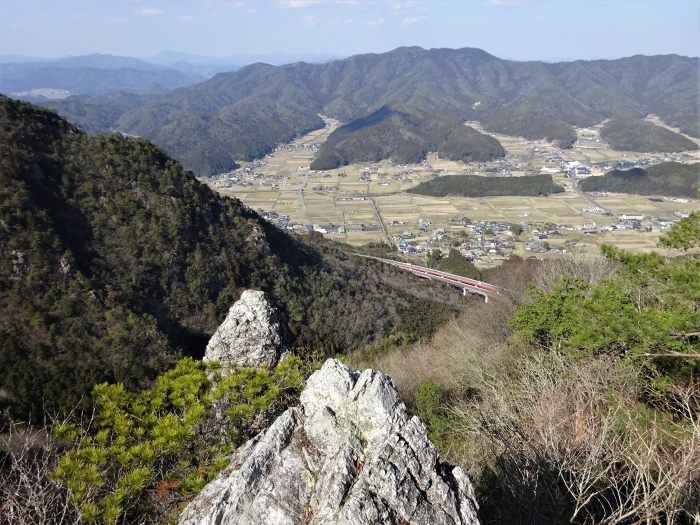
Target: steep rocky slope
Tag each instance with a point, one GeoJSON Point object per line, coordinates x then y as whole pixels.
{"type": "Point", "coordinates": [348, 455]}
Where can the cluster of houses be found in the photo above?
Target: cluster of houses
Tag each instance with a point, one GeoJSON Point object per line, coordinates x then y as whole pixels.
{"type": "Point", "coordinates": [577, 170]}
{"type": "Point", "coordinates": [282, 221]}
{"type": "Point", "coordinates": [249, 175]}
{"type": "Point", "coordinates": [298, 147]}
{"type": "Point", "coordinates": [485, 238]}
{"type": "Point", "coordinates": [632, 222]}
{"type": "Point", "coordinates": [479, 241]}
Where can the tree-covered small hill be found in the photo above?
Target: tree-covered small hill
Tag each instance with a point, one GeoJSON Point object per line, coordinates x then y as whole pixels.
{"type": "Point", "coordinates": [523, 122]}
{"type": "Point", "coordinates": [667, 178]}
{"type": "Point", "coordinates": [628, 134]}
{"type": "Point", "coordinates": [114, 261]}
{"type": "Point", "coordinates": [480, 186]}
{"type": "Point", "coordinates": [404, 136]}
{"type": "Point", "coordinates": [245, 113]}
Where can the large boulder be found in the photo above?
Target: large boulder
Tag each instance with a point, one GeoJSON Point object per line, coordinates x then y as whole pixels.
{"type": "Point", "coordinates": [250, 334]}
{"type": "Point", "coordinates": [348, 455]}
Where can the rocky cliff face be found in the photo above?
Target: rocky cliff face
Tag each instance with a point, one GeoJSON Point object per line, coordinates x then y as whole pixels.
{"type": "Point", "coordinates": [348, 455]}
{"type": "Point", "coordinates": [250, 334]}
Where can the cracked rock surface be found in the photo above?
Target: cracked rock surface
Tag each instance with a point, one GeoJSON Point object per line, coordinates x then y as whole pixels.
{"type": "Point", "coordinates": [250, 334]}
{"type": "Point", "coordinates": [348, 455]}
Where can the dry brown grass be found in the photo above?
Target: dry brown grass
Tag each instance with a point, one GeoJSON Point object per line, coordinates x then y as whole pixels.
{"type": "Point", "coordinates": [594, 268]}
{"type": "Point", "coordinates": [451, 356]}
{"type": "Point", "coordinates": [29, 495]}
{"type": "Point", "coordinates": [549, 438]}
{"type": "Point", "coordinates": [556, 440]}
{"type": "Point", "coordinates": [461, 351]}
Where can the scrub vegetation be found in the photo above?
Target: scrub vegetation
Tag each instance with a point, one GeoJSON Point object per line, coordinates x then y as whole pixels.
{"type": "Point", "coordinates": [574, 398]}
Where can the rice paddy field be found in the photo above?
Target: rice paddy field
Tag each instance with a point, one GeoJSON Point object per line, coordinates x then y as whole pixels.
{"type": "Point", "coordinates": [375, 194]}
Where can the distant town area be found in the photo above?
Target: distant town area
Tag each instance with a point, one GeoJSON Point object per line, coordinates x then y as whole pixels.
{"type": "Point", "coordinates": [363, 203]}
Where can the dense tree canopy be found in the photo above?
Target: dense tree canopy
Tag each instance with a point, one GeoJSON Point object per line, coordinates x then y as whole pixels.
{"type": "Point", "coordinates": [482, 186]}
{"type": "Point", "coordinates": [114, 261]}
{"type": "Point", "coordinates": [647, 310]}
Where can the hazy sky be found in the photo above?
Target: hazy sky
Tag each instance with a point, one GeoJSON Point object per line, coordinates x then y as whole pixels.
{"type": "Point", "coordinates": [519, 29]}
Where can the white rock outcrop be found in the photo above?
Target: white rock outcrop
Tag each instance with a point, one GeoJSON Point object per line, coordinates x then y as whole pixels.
{"type": "Point", "coordinates": [250, 334]}
{"type": "Point", "coordinates": [348, 455]}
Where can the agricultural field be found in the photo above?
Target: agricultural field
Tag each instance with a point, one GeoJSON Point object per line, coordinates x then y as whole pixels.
{"type": "Point", "coordinates": [362, 203]}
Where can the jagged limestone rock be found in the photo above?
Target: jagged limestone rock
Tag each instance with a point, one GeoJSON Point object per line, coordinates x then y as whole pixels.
{"type": "Point", "coordinates": [250, 334]}
{"type": "Point", "coordinates": [348, 455]}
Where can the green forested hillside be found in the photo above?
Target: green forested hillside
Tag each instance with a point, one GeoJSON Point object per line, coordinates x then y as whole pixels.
{"type": "Point", "coordinates": [114, 260]}
{"type": "Point", "coordinates": [627, 134]}
{"type": "Point", "coordinates": [667, 178]}
{"type": "Point", "coordinates": [97, 114]}
{"type": "Point", "coordinates": [479, 186]}
{"type": "Point", "coordinates": [405, 136]}
{"type": "Point", "coordinates": [243, 114]}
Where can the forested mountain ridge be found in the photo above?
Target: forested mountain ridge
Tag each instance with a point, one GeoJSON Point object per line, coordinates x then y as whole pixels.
{"type": "Point", "coordinates": [114, 260]}
{"type": "Point", "coordinates": [405, 136]}
{"type": "Point", "coordinates": [243, 114]}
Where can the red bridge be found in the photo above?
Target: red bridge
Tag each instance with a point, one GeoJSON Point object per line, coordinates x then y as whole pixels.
{"type": "Point", "coordinates": [465, 284]}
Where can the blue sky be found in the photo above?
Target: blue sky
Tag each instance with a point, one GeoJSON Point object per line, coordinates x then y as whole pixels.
{"type": "Point", "coordinates": [517, 29]}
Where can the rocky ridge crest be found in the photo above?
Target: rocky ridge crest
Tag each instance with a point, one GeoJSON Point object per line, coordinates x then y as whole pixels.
{"type": "Point", "coordinates": [250, 334]}
{"type": "Point", "coordinates": [348, 455]}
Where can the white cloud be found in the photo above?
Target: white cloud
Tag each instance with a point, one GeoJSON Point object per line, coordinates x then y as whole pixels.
{"type": "Point", "coordinates": [309, 21]}
{"type": "Point", "coordinates": [296, 4]}
{"type": "Point", "coordinates": [186, 18]}
{"type": "Point", "coordinates": [118, 20]}
{"type": "Point", "coordinates": [150, 11]}
{"type": "Point", "coordinates": [401, 5]}
{"type": "Point", "coordinates": [375, 22]}
{"type": "Point", "coordinates": [412, 20]}
{"type": "Point", "coordinates": [506, 3]}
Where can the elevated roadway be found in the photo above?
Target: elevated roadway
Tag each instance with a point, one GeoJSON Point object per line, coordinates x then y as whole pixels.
{"type": "Point", "coordinates": [466, 285]}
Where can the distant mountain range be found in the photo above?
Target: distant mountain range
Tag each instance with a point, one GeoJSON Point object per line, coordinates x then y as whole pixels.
{"type": "Point", "coordinates": [169, 57]}
{"type": "Point", "coordinates": [38, 79]}
{"type": "Point", "coordinates": [91, 75]}
{"type": "Point", "coordinates": [245, 113]}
